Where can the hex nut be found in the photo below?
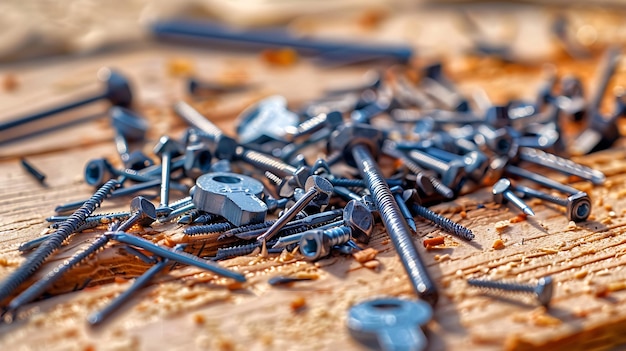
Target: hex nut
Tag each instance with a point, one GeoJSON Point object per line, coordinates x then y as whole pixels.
{"type": "Point", "coordinates": [146, 210]}
{"type": "Point", "coordinates": [358, 217]}
{"type": "Point", "coordinates": [578, 207]}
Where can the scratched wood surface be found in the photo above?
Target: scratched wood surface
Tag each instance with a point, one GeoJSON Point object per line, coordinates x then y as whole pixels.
{"type": "Point", "coordinates": [187, 309]}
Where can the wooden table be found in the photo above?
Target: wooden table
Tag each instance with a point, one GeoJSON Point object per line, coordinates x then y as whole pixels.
{"type": "Point", "coordinates": [189, 309]}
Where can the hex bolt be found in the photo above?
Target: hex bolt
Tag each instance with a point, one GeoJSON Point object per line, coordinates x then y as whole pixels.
{"type": "Point", "coordinates": [274, 165]}
{"type": "Point", "coordinates": [37, 174]}
{"type": "Point", "coordinates": [561, 164]}
{"type": "Point", "coordinates": [503, 192]}
{"type": "Point", "coordinates": [180, 257]}
{"type": "Point", "coordinates": [542, 291]}
{"type": "Point", "coordinates": [118, 92]}
{"type": "Point", "coordinates": [223, 145]}
{"type": "Point", "coordinates": [541, 180]}
{"type": "Point", "coordinates": [316, 244]}
{"type": "Point", "coordinates": [357, 143]}
{"type": "Point", "coordinates": [129, 127]}
{"type": "Point", "coordinates": [166, 148]}
{"type": "Point", "coordinates": [314, 124]}
{"type": "Point", "coordinates": [316, 186]}
{"type": "Point", "coordinates": [97, 318]}
{"type": "Point", "coordinates": [143, 213]}
{"type": "Point", "coordinates": [398, 193]}
{"type": "Point", "coordinates": [578, 206]}
{"type": "Point", "coordinates": [54, 242]}
{"type": "Point", "coordinates": [452, 173]}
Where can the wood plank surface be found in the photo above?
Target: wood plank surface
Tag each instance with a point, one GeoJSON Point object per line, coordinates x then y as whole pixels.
{"type": "Point", "coordinates": [187, 309]}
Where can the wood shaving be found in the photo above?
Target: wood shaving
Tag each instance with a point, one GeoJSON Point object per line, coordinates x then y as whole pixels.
{"type": "Point", "coordinates": [431, 242]}
{"type": "Point", "coordinates": [10, 82]}
{"type": "Point", "coordinates": [365, 255]}
{"type": "Point", "coordinates": [581, 274]}
{"type": "Point", "coordinates": [501, 225]}
{"type": "Point", "coordinates": [180, 67]}
{"type": "Point", "coordinates": [441, 258]}
{"type": "Point", "coordinates": [463, 214]}
{"type": "Point", "coordinates": [617, 286]}
{"type": "Point", "coordinates": [280, 57]}
{"type": "Point", "coordinates": [519, 218]}
{"type": "Point", "coordinates": [498, 244]}
{"type": "Point", "coordinates": [373, 264]}
{"type": "Point", "coordinates": [548, 251]}
{"type": "Point", "coordinates": [298, 303]}
{"type": "Point", "coordinates": [198, 318]}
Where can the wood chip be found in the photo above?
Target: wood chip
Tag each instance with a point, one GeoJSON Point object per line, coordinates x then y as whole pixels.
{"type": "Point", "coordinates": [298, 303]}
{"type": "Point", "coordinates": [519, 218]}
{"type": "Point", "coordinates": [373, 264]}
{"type": "Point", "coordinates": [365, 255]}
{"type": "Point", "coordinates": [10, 82]}
{"type": "Point", "coordinates": [498, 244]}
{"type": "Point", "coordinates": [180, 67]}
{"type": "Point", "coordinates": [430, 242]}
{"type": "Point", "coordinates": [501, 225]}
{"type": "Point", "coordinates": [280, 57]}
{"type": "Point", "coordinates": [581, 274]}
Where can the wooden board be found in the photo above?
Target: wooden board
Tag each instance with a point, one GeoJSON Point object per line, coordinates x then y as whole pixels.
{"type": "Point", "coordinates": [188, 309]}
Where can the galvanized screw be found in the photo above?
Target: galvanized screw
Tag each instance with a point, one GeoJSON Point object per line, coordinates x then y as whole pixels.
{"type": "Point", "coordinates": [542, 291]}
{"type": "Point", "coordinates": [398, 193]}
{"type": "Point", "coordinates": [561, 164]}
{"type": "Point", "coordinates": [578, 206]}
{"type": "Point", "coordinates": [541, 180]}
{"type": "Point", "coordinates": [316, 244]}
{"type": "Point", "coordinates": [316, 186]}
{"type": "Point", "coordinates": [502, 192]}
{"type": "Point", "coordinates": [443, 222]}
{"type": "Point", "coordinates": [129, 126]}
{"type": "Point", "coordinates": [452, 173]}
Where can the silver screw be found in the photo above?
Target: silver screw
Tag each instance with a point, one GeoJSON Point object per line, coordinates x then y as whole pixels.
{"type": "Point", "coordinates": [316, 244]}
{"type": "Point", "coordinates": [542, 291]}
{"type": "Point", "coordinates": [502, 193]}
{"type": "Point", "coordinates": [578, 205]}
{"type": "Point", "coordinates": [315, 185]}
{"type": "Point", "coordinates": [166, 148]}
{"type": "Point", "coordinates": [561, 164]}
{"type": "Point", "coordinates": [452, 173]}
{"type": "Point", "coordinates": [541, 180]}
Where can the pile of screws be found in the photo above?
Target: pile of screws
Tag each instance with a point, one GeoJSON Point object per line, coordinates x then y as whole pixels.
{"type": "Point", "coordinates": [441, 143]}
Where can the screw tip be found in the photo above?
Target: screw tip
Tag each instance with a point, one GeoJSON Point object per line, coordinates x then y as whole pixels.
{"type": "Point", "coordinates": [528, 211]}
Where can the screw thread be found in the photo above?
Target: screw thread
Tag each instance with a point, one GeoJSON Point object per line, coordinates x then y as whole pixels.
{"type": "Point", "coordinates": [338, 235]}
{"type": "Point", "coordinates": [215, 228]}
{"type": "Point", "coordinates": [205, 127]}
{"type": "Point", "coordinates": [53, 275]}
{"type": "Point", "coordinates": [267, 162]}
{"type": "Point", "coordinates": [273, 178]}
{"type": "Point", "coordinates": [499, 285]}
{"type": "Point", "coordinates": [561, 164]}
{"type": "Point", "coordinates": [430, 162]}
{"type": "Point", "coordinates": [441, 188]}
{"type": "Point", "coordinates": [289, 214]}
{"type": "Point", "coordinates": [445, 223]}
{"type": "Point", "coordinates": [310, 125]}
{"type": "Point", "coordinates": [206, 218]}
{"type": "Point", "coordinates": [395, 225]}
{"type": "Point", "coordinates": [55, 240]}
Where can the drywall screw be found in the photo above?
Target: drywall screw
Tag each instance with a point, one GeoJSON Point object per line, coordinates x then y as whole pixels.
{"type": "Point", "coordinates": [241, 250]}
{"type": "Point", "coordinates": [215, 228]}
{"type": "Point", "coordinates": [314, 124]}
{"type": "Point", "coordinates": [180, 257]}
{"type": "Point", "coordinates": [398, 193]}
{"type": "Point", "coordinates": [143, 213]}
{"type": "Point", "coordinates": [33, 171]}
{"type": "Point", "coordinates": [561, 164]}
{"type": "Point", "coordinates": [578, 206]}
{"type": "Point", "coordinates": [541, 180]}
{"type": "Point", "coordinates": [98, 317]}
{"type": "Point", "coordinates": [542, 291]}
{"type": "Point", "coordinates": [445, 223]}
{"type": "Point", "coordinates": [302, 224]}
{"type": "Point", "coordinates": [103, 217]}
{"type": "Point", "coordinates": [55, 240]}
{"type": "Point", "coordinates": [452, 173]}
{"type": "Point", "coordinates": [274, 165]}
{"type": "Point", "coordinates": [117, 91]}
{"type": "Point", "coordinates": [358, 151]}
{"type": "Point", "coordinates": [189, 217]}
{"type": "Point", "coordinates": [316, 186]}
{"type": "Point", "coordinates": [502, 192]}
{"type": "Point", "coordinates": [167, 148]}
{"type": "Point", "coordinates": [316, 244]}
{"type": "Point", "coordinates": [224, 146]}
{"type": "Point", "coordinates": [206, 218]}
{"type": "Point", "coordinates": [40, 286]}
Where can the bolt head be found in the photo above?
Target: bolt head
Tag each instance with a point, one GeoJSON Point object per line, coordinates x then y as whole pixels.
{"type": "Point", "coordinates": [127, 122]}
{"type": "Point", "coordinates": [476, 165]}
{"type": "Point", "coordinates": [359, 218]}
{"type": "Point", "coordinates": [544, 290]}
{"type": "Point", "coordinates": [454, 176]}
{"type": "Point", "coordinates": [312, 245]}
{"type": "Point", "coordinates": [578, 207]}
{"type": "Point", "coordinates": [320, 184]}
{"type": "Point", "coordinates": [118, 89]}
{"type": "Point", "coordinates": [137, 160]}
{"type": "Point", "coordinates": [167, 144]}
{"type": "Point", "coordinates": [197, 160]}
{"type": "Point", "coordinates": [97, 172]}
{"type": "Point", "coordinates": [301, 175]}
{"type": "Point", "coordinates": [350, 134]}
{"type": "Point", "coordinates": [499, 188]}
{"type": "Point", "coordinates": [145, 209]}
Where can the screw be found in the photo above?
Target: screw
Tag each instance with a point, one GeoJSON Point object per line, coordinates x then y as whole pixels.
{"type": "Point", "coordinates": [314, 124]}
{"type": "Point", "coordinates": [541, 180]}
{"type": "Point", "coordinates": [98, 317]}
{"type": "Point", "coordinates": [316, 186]}
{"type": "Point", "coordinates": [241, 250]}
{"type": "Point", "coordinates": [610, 61]}
{"type": "Point", "coordinates": [357, 142]}
{"type": "Point", "coordinates": [129, 126]}
{"type": "Point", "coordinates": [118, 92]}
{"type": "Point", "coordinates": [502, 193]}
{"type": "Point", "coordinates": [301, 222]}
{"type": "Point", "coordinates": [542, 291]}
{"type": "Point", "coordinates": [452, 173]}
{"type": "Point", "coordinates": [274, 165]}
{"type": "Point", "coordinates": [33, 171]}
{"type": "Point", "coordinates": [55, 240]}
{"type": "Point", "coordinates": [166, 148]}
{"type": "Point", "coordinates": [180, 257]}
{"type": "Point", "coordinates": [578, 205]}
{"type": "Point", "coordinates": [177, 212]}
{"type": "Point", "coordinates": [398, 193]}
{"type": "Point", "coordinates": [206, 218]}
{"type": "Point", "coordinates": [204, 88]}
{"type": "Point", "coordinates": [561, 164]}
{"type": "Point", "coordinates": [443, 222]}
{"type": "Point", "coordinates": [215, 228]}
{"type": "Point", "coordinates": [143, 213]}
{"type": "Point", "coordinates": [316, 244]}
{"type": "Point", "coordinates": [475, 163]}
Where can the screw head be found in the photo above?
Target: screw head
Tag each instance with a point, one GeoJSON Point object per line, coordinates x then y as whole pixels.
{"type": "Point", "coordinates": [167, 144]}
{"type": "Point", "coordinates": [499, 188]}
{"type": "Point", "coordinates": [137, 160]}
{"type": "Point", "coordinates": [197, 160]}
{"type": "Point", "coordinates": [359, 218]}
{"type": "Point", "coordinates": [578, 207]}
{"type": "Point", "coordinates": [350, 134]}
{"type": "Point", "coordinates": [118, 89]}
{"type": "Point", "coordinates": [130, 124]}
{"type": "Point", "coordinates": [312, 245]}
{"type": "Point", "coordinates": [320, 184]}
{"type": "Point", "coordinates": [97, 172]}
{"type": "Point", "coordinates": [544, 290]}
{"type": "Point", "coordinates": [454, 176]}
{"type": "Point", "coordinates": [145, 209]}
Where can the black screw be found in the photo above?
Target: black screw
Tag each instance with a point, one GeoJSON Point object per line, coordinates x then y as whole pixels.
{"type": "Point", "coordinates": [542, 291]}
{"type": "Point", "coordinates": [445, 223]}
{"type": "Point", "coordinates": [118, 92]}
{"type": "Point", "coordinates": [143, 213]}
{"type": "Point", "coordinates": [55, 240]}
{"type": "Point", "coordinates": [33, 171]}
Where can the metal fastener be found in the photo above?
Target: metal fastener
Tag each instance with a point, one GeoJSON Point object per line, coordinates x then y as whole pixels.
{"type": "Point", "coordinates": [502, 193]}
{"type": "Point", "coordinates": [542, 291]}
{"type": "Point", "coordinates": [578, 206]}
{"type": "Point", "coordinates": [166, 148]}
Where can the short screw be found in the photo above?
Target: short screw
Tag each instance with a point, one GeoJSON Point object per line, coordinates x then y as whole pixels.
{"type": "Point", "coordinates": [542, 291]}
{"type": "Point", "coordinates": [274, 165]}
{"type": "Point", "coordinates": [316, 244]}
{"type": "Point", "coordinates": [129, 126]}
{"type": "Point", "coordinates": [578, 206]}
{"type": "Point", "coordinates": [117, 91]}
{"type": "Point", "coordinates": [443, 222]}
{"type": "Point", "coordinates": [502, 192]}
{"type": "Point", "coordinates": [315, 186]}
{"type": "Point", "coordinates": [167, 148]}
{"type": "Point", "coordinates": [314, 124]}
